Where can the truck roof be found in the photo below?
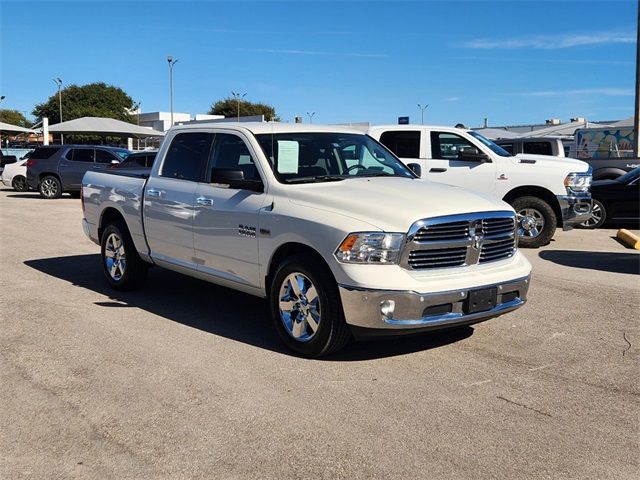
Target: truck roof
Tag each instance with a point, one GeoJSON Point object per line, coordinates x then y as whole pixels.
{"type": "Point", "coordinates": [258, 128]}
{"type": "Point", "coordinates": [418, 127]}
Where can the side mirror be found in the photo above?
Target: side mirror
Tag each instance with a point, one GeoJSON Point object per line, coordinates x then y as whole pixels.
{"type": "Point", "coordinates": [115, 162]}
{"type": "Point", "coordinates": [234, 178]}
{"type": "Point", "coordinates": [472, 155]}
{"type": "Point", "coordinates": [415, 168]}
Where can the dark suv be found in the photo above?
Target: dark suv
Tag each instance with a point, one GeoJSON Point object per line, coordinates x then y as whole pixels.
{"type": "Point", "coordinates": [55, 169]}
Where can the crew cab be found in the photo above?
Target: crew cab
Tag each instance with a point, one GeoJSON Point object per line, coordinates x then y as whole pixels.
{"type": "Point", "coordinates": [545, 191]}
{"type": "Point", "coordinates": [339, 235]}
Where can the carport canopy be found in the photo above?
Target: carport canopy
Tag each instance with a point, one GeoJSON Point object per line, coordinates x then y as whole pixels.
{"type": "Point", "coordinates": [105, 127]}
{"type": "Point", "coordinates": [8, 128]}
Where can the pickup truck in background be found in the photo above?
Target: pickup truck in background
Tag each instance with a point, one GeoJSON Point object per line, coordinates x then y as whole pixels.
{"type": "Point", "coordinates": [327, 224]}
{"type": "Point", "coordinates": [553, 146]}
{"type": "Point", "coordinates": [545, 191]}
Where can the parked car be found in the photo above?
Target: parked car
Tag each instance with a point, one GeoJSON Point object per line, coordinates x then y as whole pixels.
{"type": "Point", "coordinates": [538, 146]}
{"type": "Point", "coordinates": [616, 201]}
{"type": "Point", "coordinates": [338, 248]}
{"type": "Point", "coordinates": [56, 169]}
{"type": "Point", "coordinates": [138, 160]}
{"type": "Point", "coordinates": [15, 175]}
{"type": "Point", "coordinates": [546, 192]}
{"type": "Point", "coordinates": [6, 160]}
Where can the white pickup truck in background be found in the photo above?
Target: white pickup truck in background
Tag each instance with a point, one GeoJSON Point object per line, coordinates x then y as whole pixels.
{"type": "Point", "coordinates": [324, 222]}
{"type": "Point", "coordinates": [545, 191]}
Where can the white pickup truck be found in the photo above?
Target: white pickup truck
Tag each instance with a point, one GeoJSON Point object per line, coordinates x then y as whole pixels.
{"type": "Point", "coordinates": [328, 225]}
{"type": "Point", "coordinates": [545, 191]}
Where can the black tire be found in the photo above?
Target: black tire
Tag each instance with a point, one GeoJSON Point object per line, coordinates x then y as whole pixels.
{"type": "Point", "coordinates": [536, 210]}
{"type": "Point", "coordinates": [127, 275]}
{"type": "Point", "coordinates": [19, 183]}
{"type": "Point", "coordinates": [50, 187]}
{"type": "Point", "coordinates": [598, 217]}
{"type": "Point", "coordinates": [332, 332]}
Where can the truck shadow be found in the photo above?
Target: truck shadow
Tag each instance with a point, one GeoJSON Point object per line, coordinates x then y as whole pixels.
{"type": "Point", "coordinates": [217, 310]}
{"type": "Point", "coordinates": [627, 263]}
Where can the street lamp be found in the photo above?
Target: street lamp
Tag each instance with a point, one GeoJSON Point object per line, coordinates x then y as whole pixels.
{"type": "Point", "coordinates": [171, 62]}
{"type": "Point", "coordinates": [2, 97]}
{"type": "Point", "coordinates": [58, 82]}
{"type": "Point", "coordinates": [238, 97]}
{"type": "Point", "coordinates": [311, 116]}
{"type": "Point", "coordinates": [422, 109]}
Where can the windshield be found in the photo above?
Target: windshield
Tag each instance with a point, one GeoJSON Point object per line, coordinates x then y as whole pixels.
{"type": "Point", "coordinates": [494, 148]}
{"type": "Point", "coordinates": [121, 152]}
{"type": "Point", "coordinates": [302, 157]}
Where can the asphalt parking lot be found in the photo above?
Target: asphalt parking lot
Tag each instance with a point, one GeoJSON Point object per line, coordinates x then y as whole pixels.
{"type": "Point", "coordinates": [188, 380]}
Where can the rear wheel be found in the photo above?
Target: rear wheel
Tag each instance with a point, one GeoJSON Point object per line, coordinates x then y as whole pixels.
{"type": "Point", "coordinates": [536, 221]}
{"type": "Point", "coordinates": [122, 265]}
{"type": "Point", "coordinates": [598, 216]}
{"type": "Point", "coordinates": [19, 183]}
{"type": "Point", "coordinates": [306, 308]}
{"type": "Point", "coordinates": [50, 187]}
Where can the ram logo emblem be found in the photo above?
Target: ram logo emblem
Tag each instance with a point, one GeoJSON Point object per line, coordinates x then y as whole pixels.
{"type": "Point", "coordinates": [477, 235]}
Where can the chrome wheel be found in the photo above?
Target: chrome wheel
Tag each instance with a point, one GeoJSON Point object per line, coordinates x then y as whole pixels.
{"type": "Point", "coordinates": [49, 187]}
{"type": "Point", "coordinates": [530, 223]}
{"type": "Point", "coordinates": [596, 216]}
{"type": "Point", "coordinates": [299, 307]}
{"type": "Point", "coordinates": [114, 257]}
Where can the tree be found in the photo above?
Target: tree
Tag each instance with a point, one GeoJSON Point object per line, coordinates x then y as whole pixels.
{"type": "Point", "coordinates": [229, 108]}
{"type": "Point", "coordinates": [91, 100]}
{"type": "Point", "coordinates": [14, 117]}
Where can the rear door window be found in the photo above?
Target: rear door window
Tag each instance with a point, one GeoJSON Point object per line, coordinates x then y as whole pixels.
{"type": "Point", "coordinates": [405, 144]}
{"type": "Point", "coordinates": [187, 156]}
{"type": "Point", "coordinates": [80, 155]}
{"type": "Point", "coordinates": [537, 148]}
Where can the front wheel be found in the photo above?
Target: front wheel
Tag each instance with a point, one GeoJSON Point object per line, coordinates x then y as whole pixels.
{"type": "Point", "coordinates": [536, 221]}
{"type": "Point", "coordinates": [19, 183]}
{"type": "Point", "coordinates": [598, 216]}
{"type": "Point", "coordinates": [122, 265]}
{"type": "Point", "coordinates": [306, 309]}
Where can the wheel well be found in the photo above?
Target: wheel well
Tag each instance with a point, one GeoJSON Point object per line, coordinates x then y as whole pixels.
{"type": "Point", "coordinates": [109, 216]}
{"type": "Point", "coordinates": [287, 250]}
{"type": "Point", "coordinates": [608, 173]}
{"type": "Point", "coordinates": [49, 174]}
{"type": "Point", "coordinates": [533, 191]}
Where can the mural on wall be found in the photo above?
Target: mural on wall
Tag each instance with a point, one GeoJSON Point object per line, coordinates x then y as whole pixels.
{"type": "Point", "coordinates": [601, 143]}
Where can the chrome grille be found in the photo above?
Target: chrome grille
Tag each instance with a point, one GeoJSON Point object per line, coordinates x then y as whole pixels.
{"type": "Point", "coordinates": [459, 240]}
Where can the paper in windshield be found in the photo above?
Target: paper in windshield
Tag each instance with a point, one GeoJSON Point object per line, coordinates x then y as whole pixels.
{"type": "Point", "coordinates": [288, 156]}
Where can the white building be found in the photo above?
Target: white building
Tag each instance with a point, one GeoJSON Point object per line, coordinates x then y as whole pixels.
{"type": "Point", "coordinates": [162, 120]}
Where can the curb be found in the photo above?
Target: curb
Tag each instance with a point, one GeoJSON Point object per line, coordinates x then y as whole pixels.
{"type": "Point", "coordinates": [629, 239]}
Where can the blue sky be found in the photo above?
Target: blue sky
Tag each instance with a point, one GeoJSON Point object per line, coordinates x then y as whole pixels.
{"type": "Point", "coordinates": [514, 62]}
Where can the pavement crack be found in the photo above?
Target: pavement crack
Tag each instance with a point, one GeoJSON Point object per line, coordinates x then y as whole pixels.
{"type": "Point", "coordinates": [524, 406]}
{"type": "Point", "coordinates": [624, 336]}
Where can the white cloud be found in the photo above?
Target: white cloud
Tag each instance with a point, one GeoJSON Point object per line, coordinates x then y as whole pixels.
{"type": "Point", "coordinates": [607, 92]}
{"type": "Point", "coordinates": [452, 99]}
{"type": "Point", "coordinates": [549, 42]}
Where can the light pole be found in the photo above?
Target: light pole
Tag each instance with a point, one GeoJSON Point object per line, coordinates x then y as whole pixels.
{"type": "Point", "coordinates": [171, 62]}
{"type": "Point", "coordinates": [238, 97]}
{"type": "Point", "coordinates": [311, 116]}
{"type": "Point", "coordinates": [2, 97]}
{"type": "Point", "coordinates": [136, 108]}
{"type": "Point", "coordinates": [58, 82]}
{"type": "Point", "coordinates": [422, 109]}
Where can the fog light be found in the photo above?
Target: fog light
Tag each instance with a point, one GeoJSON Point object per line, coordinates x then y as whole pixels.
{"type": "Point", "coordinates": [386, 309]}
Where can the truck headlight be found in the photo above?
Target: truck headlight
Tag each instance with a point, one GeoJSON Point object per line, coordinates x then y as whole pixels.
{"type": "Point", "coordinates": [370, 247]}
{"type": "Point", "coordinates": [578, 182]}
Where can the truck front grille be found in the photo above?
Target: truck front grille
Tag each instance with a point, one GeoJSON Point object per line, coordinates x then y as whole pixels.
{"type": "Point", "coordinates": [460, 240]}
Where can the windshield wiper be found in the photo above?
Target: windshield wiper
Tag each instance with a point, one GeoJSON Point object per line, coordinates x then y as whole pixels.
{"type": "Point", "coordinates": [316, 179]}
{"type": "Point", "coordinates": [379, 174]}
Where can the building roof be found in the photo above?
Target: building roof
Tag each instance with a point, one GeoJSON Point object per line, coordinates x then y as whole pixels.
{"type": "Point", "coordinates": [104, 126]}
{"type": "Point", "coordinates": [562, 130]}
{"type": "Point", "coordinates": [8, 128]}
{"type": "Point", "coordinates": [496, 133]}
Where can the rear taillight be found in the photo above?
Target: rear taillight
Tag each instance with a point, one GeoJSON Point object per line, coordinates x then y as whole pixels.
{"type": "Point", "coordinates": [31, 163]}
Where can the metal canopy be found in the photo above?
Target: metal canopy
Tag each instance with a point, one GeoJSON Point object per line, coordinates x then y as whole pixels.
{"type": "Point", "coordinates": [8, 128]}
{"type": "Point", "coordinates": [105, 127]}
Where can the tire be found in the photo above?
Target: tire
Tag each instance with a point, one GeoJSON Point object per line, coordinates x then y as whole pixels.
{"type": "Point", "coordinates": [121, 264]}
{"type": "Point", "coordinates": [19, 183]}
{"type": "Point", "coordinates": [50, 187]}
{"type": "Point", "coordinates": [304, 274]}
{"type": "Point", "coordinates": [536, 221]}
{"type": "Point", "coordinates": [598, 216]}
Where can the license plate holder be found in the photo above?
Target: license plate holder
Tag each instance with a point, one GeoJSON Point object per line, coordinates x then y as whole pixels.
{"type": "Point", "coordinates": [481, 300]}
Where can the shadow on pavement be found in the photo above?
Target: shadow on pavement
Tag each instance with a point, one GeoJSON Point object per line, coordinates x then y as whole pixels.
{"type": "Point", "coordinates": [615, 262]}
{"type": "Point", "coordinates": [218, 310]}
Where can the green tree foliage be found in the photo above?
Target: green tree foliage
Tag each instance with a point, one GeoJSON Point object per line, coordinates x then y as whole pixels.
{"type": "Point", "coordinates": [229, 108]}
{"type": "Point", "coordinates": [91, 100]}
{"type": "Point", "coordinates": [14, 117]}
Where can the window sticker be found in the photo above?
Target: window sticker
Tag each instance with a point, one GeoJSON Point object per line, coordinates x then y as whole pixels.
{"type": "Point", "coordinates": [288, 156]}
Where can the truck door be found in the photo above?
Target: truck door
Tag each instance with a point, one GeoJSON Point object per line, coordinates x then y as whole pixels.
{"type": "Point", "coordinates": [169, 198]}
{"type": "Point", "coordinates": [445, 166]}
{"type": "Point", "coordinates": [226, 222]}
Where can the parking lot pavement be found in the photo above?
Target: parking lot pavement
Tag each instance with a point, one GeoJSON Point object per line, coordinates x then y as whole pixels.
{"type": "Point", "coordinates": [188, 380]}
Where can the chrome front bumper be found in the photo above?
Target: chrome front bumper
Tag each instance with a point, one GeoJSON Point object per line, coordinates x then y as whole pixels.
{"type": "Point", "coordinates": [575, 210]}
{"type": "Point", "coordinates": [394, 310]}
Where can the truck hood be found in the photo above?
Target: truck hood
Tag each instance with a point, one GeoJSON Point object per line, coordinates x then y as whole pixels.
{"type": "Point", "coordinates": [391, 204]}
{"type": "Point", "coordinates": [561, 163]}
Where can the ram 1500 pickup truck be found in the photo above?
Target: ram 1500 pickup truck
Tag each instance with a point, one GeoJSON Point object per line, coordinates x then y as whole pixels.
{"type": "Point", "coordinates": [545, 191]}
{"type": "Point", "coordinates": [327, 224]}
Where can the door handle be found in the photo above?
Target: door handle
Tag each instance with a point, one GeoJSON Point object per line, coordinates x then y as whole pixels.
{"type": "Point", "coordinates": [437, 170]}
{"type": "Point", "coordinates": [205, 202]}
{"type": "Point", "coordinates": [154, 193]}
